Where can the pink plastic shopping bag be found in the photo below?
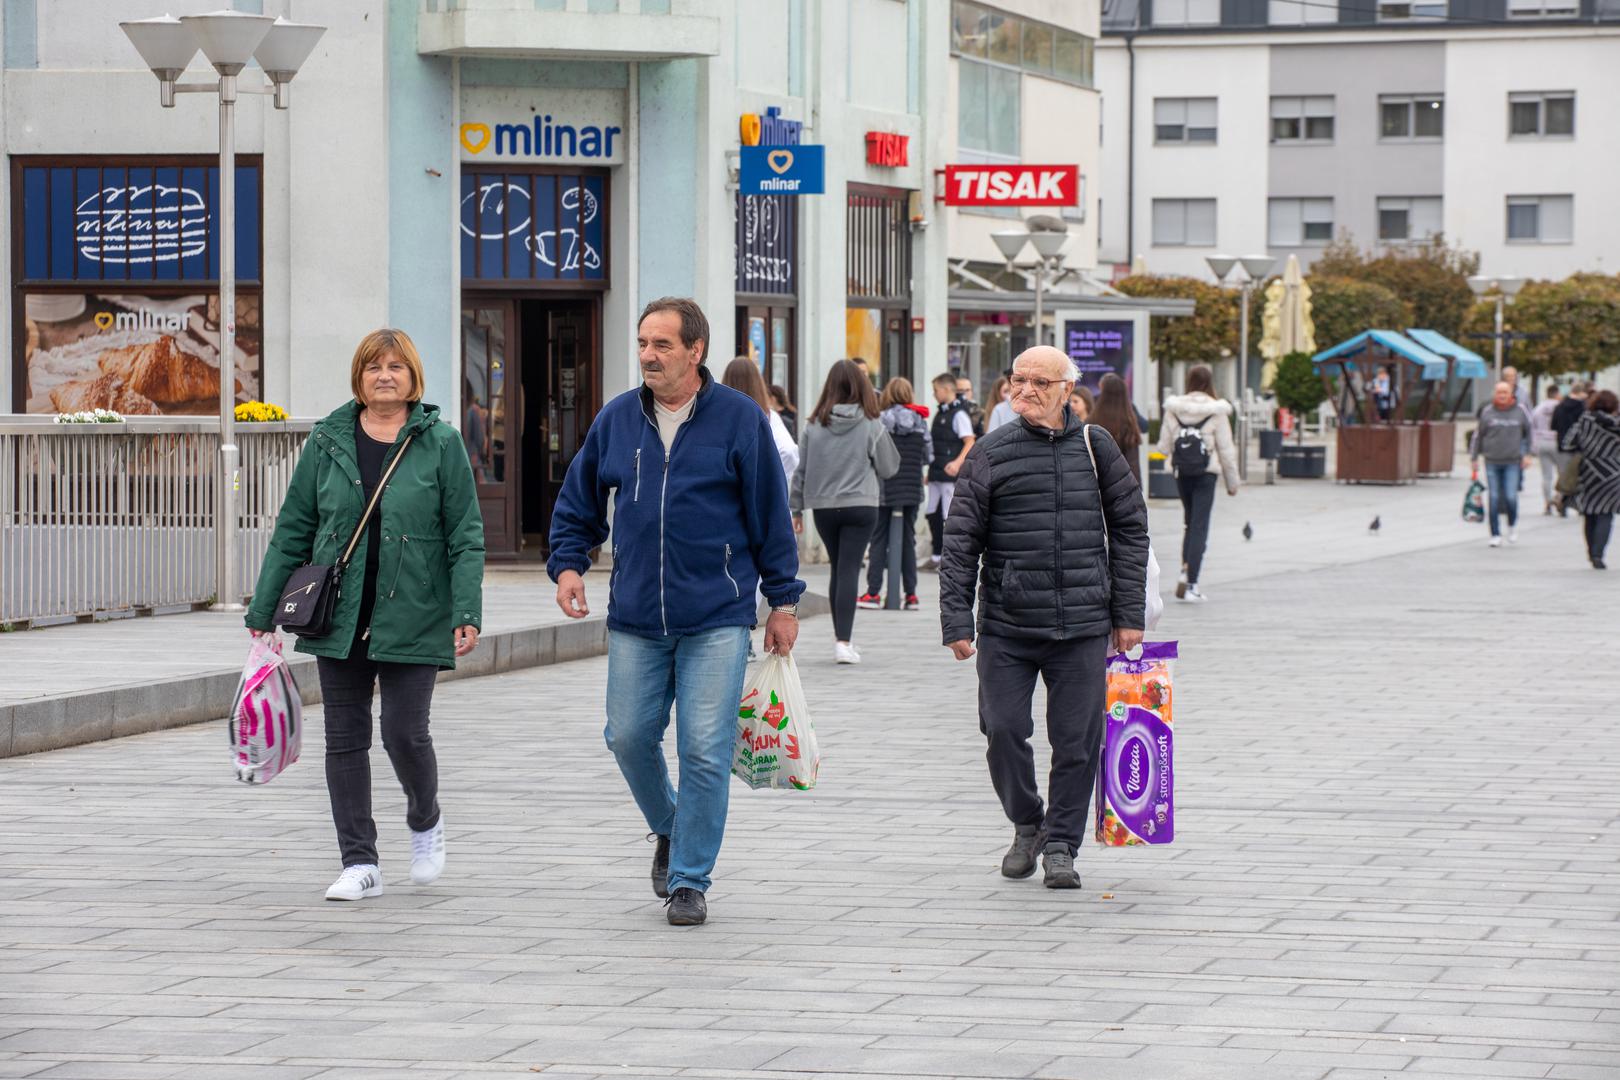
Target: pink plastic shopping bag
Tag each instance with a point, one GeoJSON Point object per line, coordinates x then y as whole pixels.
{"type": "Point", "coordinates": [267, 715]}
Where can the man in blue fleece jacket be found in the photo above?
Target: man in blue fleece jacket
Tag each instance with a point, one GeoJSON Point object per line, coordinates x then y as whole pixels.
{"type": "Point", "coordinates": [700, 521]}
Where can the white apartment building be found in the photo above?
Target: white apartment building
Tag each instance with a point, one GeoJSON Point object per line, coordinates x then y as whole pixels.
{"type": "Point", "coordinates": [1246, 126]}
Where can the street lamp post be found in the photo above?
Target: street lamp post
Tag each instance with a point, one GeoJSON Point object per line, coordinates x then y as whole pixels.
{"type": "Point", "coordinates": [1256, 267]}
{"type": "Point", "coordinates": [1506, 289]}
{"type": "Point", "coordinates": [229, 39]}
{"type": "Point", "coordinates": [1049, 249]}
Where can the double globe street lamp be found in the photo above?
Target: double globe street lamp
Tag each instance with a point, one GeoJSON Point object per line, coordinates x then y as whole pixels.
{"type": "Point", "coordinates": [1256, 267]}
{"type": "Point", "coordinates": [1048, 235]}
{"type": "Point", "coordinates": [229, 39]}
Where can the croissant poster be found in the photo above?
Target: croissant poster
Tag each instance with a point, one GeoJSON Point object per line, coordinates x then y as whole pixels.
{"type": "Point", "coordinates": [136, 355]}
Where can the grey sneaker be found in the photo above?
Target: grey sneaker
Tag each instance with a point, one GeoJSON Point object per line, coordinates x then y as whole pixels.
{"type": "Point", "coordinates": [1060, 871]}
{"type": "Point", "coordinates": [1019, 862]}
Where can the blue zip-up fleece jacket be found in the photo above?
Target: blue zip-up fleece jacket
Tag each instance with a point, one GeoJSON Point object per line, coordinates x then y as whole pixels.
{"type": "Point", "coordinates": [694, 533]}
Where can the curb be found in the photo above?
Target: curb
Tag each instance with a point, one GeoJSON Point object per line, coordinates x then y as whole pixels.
{"type": "Point", "coordinates": [31, 727]}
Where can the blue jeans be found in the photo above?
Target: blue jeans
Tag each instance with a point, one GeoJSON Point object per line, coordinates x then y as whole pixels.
{"type": "Point", "coordinates": [1503, 480]}
{"type": "Point", "coordinates": [702, 676]}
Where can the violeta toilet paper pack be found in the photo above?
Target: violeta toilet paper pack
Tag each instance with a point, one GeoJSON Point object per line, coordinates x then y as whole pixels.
{"type": "Point", "coordinates": [1136, 776]}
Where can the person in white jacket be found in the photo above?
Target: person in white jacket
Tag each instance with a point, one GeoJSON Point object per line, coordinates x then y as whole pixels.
{"type": "Point", "coordinates": [743, 374]}
{"type": "Point", "coordinates": [1204, 457]}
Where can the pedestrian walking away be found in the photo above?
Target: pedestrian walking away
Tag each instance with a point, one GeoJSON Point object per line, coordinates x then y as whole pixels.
{"type": "Point", "coordinates": [1596, 437]}
{"type": "Point", "coordinates": [1116, 415]}
{"type": "Point", "coordinates": [419, 604]}
{"type": "Point", "coordinates": [742, 375]}
{"type": "Point", "coordinates": [1050, 528]}
{"type": "Point", "coordinates": [907, 424]}
{"type": "Point", "coordinates": [1569, 410]}
{"type": "Point", "coordinates": [952, 436]}
{"type": "Point", "coordinates": [700, 521]}
{"type": "Point", "coordinates": [1544, 443]}
{"type": "Point", "coordinates": [1196, 437]}
{"type": "Point", "coordinates": [964, 394]}
{"type": "Point", "coordinates": [844, 453]}
{"type": "Point", "coordinates": [1503, 439]}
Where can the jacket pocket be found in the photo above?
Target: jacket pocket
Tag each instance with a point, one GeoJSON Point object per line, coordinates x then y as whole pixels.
{"type": "Point", "coordinates": [734, 586]}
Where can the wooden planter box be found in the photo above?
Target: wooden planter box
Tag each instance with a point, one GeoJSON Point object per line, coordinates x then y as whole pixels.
{"type": "Point", "coordinates": [1378, 454]}
{"type": "Point", "coordinates": [1437, 447]}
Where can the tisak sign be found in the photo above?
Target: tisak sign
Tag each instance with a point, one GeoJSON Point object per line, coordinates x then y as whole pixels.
{"type": "Point", "coordinates": [1012, 185]}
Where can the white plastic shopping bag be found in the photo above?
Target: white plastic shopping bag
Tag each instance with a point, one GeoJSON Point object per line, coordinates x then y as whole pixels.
{"type": "Point", "coordinates": [267, 715]}
{"type": "Point", "coordinates": [1155, 601]}
{"type": "Point", "coordinates": [776, 740]}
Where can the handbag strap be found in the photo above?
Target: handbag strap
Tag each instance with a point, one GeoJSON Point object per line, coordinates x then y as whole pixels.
{"type": "Point", "coordinates": [376, 497]}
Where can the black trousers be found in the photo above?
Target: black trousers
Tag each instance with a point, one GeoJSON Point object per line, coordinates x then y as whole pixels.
{"type": "Point", "coordinates": [844, 532]}
{"type": "Point", "coordinates": [1597, 528]}
{"type": "Point", "coordinates": [407, 693]}
{"type": "Point", "coordinates": [936, 532]}
{"type": "Point", "coordinates": [877, 559]}
{"type": "Point", "coordinates": [1197, 503]}
{"type": "Point", "coordinates": [1076, 677]}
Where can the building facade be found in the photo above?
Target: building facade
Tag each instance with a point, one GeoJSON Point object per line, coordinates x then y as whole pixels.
{"type": "Point", "coordinates": [508, 182]}
{"type": "Point", "coordinates": [1244, 126]}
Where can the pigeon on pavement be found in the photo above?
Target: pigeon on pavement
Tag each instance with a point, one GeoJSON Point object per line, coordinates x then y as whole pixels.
{"type": "Point", "coordinates": [1376, 525]}
{"type": "Point", "coordinates": [1248, 531]}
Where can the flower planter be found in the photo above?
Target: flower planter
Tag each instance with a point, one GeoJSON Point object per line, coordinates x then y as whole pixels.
{"type": "Point", "coordinates": [1378, 454]}
{"type": "Point", "coordinates": [1302, 462]}
{"type": "Point", "coordinates": [1437, 447]}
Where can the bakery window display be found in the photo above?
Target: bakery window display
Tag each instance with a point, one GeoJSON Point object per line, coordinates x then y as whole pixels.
{"type": "Point", "coordinates": [136, 355]}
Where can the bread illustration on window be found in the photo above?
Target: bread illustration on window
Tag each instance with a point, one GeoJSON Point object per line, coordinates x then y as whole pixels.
{"type": "Point", "coordinates": [106, 392]}
{"type": "Point", "coordinates": [162, 371]}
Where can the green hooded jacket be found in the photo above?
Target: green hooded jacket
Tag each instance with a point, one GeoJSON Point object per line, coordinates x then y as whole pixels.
{"type": "Point", "coordinates": [431, 573]}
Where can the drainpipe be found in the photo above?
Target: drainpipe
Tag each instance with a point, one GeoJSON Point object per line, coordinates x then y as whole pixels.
{"type": "Point", "coordinates": [1130, 153]}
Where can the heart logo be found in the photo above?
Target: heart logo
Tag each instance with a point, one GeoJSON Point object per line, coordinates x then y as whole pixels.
{"type": "Point", "coordinates": [104, 320]}
{"type": "Point", "coordinates": [475, 137]}
{"type": "Point", "coordinates": [780, 161]}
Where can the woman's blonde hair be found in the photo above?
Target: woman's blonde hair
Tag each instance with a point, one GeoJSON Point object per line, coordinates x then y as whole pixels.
{"type": "Point", "coordinates": [379, 343]}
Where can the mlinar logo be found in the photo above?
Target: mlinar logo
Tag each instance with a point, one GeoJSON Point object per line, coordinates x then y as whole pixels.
{"type": "Point", "coordinates": [541, 139]}
{"type": "Point", "coordinates": [141, 319]}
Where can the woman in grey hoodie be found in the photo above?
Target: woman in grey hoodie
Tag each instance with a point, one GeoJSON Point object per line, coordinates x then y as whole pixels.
{"type": "Point", "coordinates": [843, 453]}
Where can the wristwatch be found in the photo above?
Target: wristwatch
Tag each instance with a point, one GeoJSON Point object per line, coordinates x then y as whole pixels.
{"type": "Point", "coordinates": [786, 609]}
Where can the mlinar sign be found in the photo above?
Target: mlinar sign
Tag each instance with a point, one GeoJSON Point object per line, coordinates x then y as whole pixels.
{"type": "Point", "coordinates": [1012, 185]}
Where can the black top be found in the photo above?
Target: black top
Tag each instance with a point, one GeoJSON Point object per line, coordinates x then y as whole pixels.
{"type": "Point", "coordinates": [1027, 531]}
{"type": "Point", "coordinates": [371, 456]}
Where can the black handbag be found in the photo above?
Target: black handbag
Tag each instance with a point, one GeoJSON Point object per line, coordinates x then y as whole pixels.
{"type": "Point", "coordinates": [311, 594]}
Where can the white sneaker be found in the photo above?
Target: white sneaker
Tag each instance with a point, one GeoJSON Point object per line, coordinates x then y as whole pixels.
{"type": "Point", "coordinates": [1513, 535]}
{"type": "Point", "coordinates": [1193, 596]}
{"type": "Point", "coordinates": [356, 883]}
{"type": "Point", "coordinates": [427, 854]}
{"type": "Point", "coordinates": [1496, 541]}
{"type": "Point", "coordinates": [844, 653]}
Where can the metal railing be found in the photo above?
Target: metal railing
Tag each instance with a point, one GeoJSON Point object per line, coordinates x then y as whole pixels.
{"type": "Point", "coordinates": [107, 518]}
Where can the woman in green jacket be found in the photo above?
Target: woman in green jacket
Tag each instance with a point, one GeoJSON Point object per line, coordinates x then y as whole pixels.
{"type": "Point", "coordinates": [417, 608]}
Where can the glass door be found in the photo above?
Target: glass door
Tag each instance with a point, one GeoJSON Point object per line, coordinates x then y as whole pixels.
{"type": "Point", "coordinates": [487, 428]}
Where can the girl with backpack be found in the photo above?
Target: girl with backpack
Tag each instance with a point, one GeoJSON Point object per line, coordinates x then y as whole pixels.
{"type": "Point", "coordinates": [907, 424]}
{"type": "Point", "coordinates": [1196, 438]}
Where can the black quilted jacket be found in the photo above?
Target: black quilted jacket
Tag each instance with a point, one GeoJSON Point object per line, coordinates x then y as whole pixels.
{"type": "Point", "coordinates": [1026, 528]}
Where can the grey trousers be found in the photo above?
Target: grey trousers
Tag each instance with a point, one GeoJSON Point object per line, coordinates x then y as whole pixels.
{"type": "Point", "coordinates": [1076, 676]}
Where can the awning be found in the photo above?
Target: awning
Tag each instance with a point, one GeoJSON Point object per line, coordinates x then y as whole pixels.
{"type": "Point", "coordinates": [1469, 364]}
{"type": "Point", "coordinates": [1432, 365]}
{"type": "Point", "coordinates": [1010, 301]}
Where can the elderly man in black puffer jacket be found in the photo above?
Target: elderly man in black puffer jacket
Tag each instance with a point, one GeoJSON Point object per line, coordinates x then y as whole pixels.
{"type": "Point", "coordinates": [1048, 522]}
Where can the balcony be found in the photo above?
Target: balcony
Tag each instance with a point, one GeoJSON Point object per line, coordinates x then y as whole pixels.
{"type": "Point", "coordinates": [572, 29]}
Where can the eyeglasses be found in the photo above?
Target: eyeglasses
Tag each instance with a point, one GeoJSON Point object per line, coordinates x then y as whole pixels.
{"type": "Point", "coordinates": [1041, 385]}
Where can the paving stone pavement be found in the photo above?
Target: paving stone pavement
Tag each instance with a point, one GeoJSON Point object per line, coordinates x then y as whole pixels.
{"type": "Point", "coordinates": [1397, 826]}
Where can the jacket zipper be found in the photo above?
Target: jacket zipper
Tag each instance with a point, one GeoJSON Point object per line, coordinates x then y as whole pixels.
{"type": "Point", "coordinates": [1057, 534]}
{"type": "Point", "coordinates": [398, 566]}
{"type": "Point", "coordinates": [637, 496]}
{"type": "Point", "coordinates": [663, 493]}
{"type": "Point", "coordinates": [734, 587]}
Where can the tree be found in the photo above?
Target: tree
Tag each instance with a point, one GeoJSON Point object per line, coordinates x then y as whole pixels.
{"type": "Point", "coordinates": [1206, 335]}
{"type": "Point", "coordinates": [1430, 277]}
{"type": "Point", "coordinates": [1344, 307]}
{"type": "Point", "coordinates": [1298, 387]}
{"type": "Point", "coordinates": [1576, 323]}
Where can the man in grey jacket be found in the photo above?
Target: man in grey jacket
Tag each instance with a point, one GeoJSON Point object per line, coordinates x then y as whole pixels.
{"type": "Point", "coordinates": [1049, 524]}
{"type": "Point", "coordinates": [1503, 439]}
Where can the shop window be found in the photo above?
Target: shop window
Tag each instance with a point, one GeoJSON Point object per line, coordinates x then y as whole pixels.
{"type": "Point", "coordinates": [117, 295]}
{"type": "Point", "coordinates": [536, 225]}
